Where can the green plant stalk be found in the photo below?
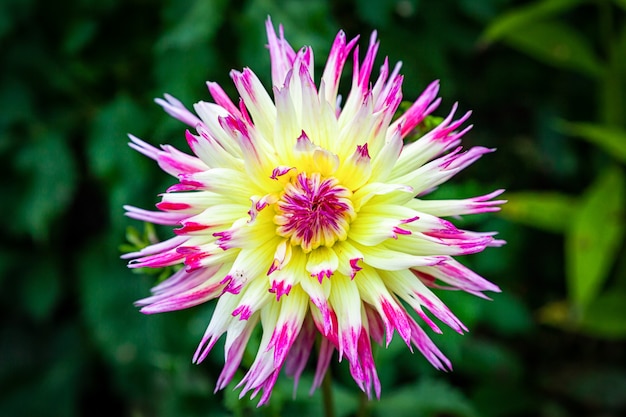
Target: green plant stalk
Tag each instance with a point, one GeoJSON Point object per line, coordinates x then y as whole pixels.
{"type": "Point", "coordinates": [327, 396]}
{"type": "Point", "coordinates": [611, 89]}
{"type": "Point", "coordinates": [363, 410]}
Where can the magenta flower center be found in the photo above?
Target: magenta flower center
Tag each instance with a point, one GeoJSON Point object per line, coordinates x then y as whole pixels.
{"type": "Point", "coordinates": [314, 212]}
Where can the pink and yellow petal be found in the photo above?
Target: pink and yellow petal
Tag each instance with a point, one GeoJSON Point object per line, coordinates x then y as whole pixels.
{"type": "Point", "coordinates": [346, 302]}
{"type": "Point", "coordinates": [373, 291]}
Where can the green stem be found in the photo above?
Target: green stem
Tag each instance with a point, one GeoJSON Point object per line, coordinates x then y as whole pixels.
{"type": "Point", "coordinates": [363, 410]}
{"type": "Point", "coordinates": [605, 23]}
{"type": "Point", "coordinates": [327, 395]}
{"type": "Point", "coordinates": [612, 101]}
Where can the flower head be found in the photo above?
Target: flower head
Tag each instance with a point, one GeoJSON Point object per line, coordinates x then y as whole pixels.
{"type": "Point", "coordinates": [305, 218]}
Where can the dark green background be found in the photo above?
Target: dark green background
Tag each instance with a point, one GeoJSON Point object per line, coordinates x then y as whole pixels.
{"type": "Point", "coordinates": [77, 76]}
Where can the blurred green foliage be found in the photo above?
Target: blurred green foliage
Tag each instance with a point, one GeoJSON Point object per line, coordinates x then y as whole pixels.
{"type": "Point", "coordinates": [547, 83]}
{"type": "Point", "coordinates": [594, 223]}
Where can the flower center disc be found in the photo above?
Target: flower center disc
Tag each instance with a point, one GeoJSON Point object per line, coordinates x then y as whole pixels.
{"type": "Point", "coordinates": [313, 211]}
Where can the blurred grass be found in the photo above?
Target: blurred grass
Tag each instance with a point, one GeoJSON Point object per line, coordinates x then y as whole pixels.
{"type": "Point", "coordinates": [78, 76]}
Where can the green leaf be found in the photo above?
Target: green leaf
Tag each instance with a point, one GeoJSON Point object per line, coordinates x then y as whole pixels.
{"type": "Point", "coordinates": [376, 13]}
{"type": "Point", "coordinates": [127, 339]}
{"type": "Point", "coordinates": [556, 44]}
{"type": "Point", "coordinates": [196, 23]}
{"type": "Point", "coordinates": [597, 386]}
{"type": "Point", "coordinates": [620, 3]}
{"type": "Point", "coordinates": [487, 360]}
{"type": "Point", "coordinates": [519, 18]}
{"type": "Point", "coordinates": [611, 139]}
{"type": "Point", "coordinates": [42, 290]}
{"type": "Point", "coordinates": [108, 152]}
{"type": "Point", "coordinates": [605, 316]}
{"type": "Point", "coordinates": [429, 397]}
{"type": "Point", "coordinates": [497, 398]}
{"type": "Point", "coordinates": [79, 34]}
{"type": "Point", "coordinates": [508, 314]}
{"type": "Point", "coordinates": [49, 176]}
{"type": "Point", "coordinates": [44, 382]}
{"type": "Point", "coordinates": [12, 13]}
{"type": "Point", "coordinates": [182, 72]}
{"type": "Point", "coordinates": [124, 172]}
{"type": "Point", "coordinates": [559, 314]}
{"type": "Point", "coordinates": [593, 241]}
{"type": "Point", "coordinates": [549, 210]}
{"type": "Point", "coordinates": [466, 307]}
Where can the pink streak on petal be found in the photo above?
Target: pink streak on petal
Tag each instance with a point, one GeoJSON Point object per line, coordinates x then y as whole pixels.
{"type": "Point", "coordinates": [244, 113]}
{"type": "Point", "coordinates": [355, 267]}
{"type": "Point", "coordinates": [282, 339]}
{"type": "Point", "coordinates": [181, 162]}
{"type": "Point", "coordinates": [348, 343]}
{"type": "Point", "coordinates": [329, 318]}
{"type": "Point", "coordinates": [392, 97]}
{"type": "Point", "coordinates": [386, 92]}
{"type": "Point", "coordinates": [233, 359]}
{"type": "Point", "coordinates": [194, 261]}
{"type": "Point", "coordinates": [303, 143]}
{"type": "Point", "coordinates": [190, 227]}
{"type": "Point", "coordinates": [446, 132]}
{"type": "Point", "coordinates": [422, 107]}
{"type": "Point", "coordinates": [182, 187]}
{"type": "Point", "coordinates": [204, 347]}
{"type": "Point", "coordinates": [177, 109]}
{"type": "Point", "coordinates": [426, 346]}
{"type": "Point", "coordinates": [189, 250]}
{"type": "Point", "coordinates": [282, 54]}
{"type": "Point", "coordinates": [323, 361]}
{"type": "Point", "coordinates": [400, 231]}
{"type": "Point", "coordinates": [163, 246]}
{"type": "Point", "coordinates": [171, 160]}
{"type": "Point", "coordinates": [224, 239]}
{"type": "Point", "coordinates": [189, 181]}
{"type": "Point", "coordinates": [275, 266]}
{"type": "Point", "coordinates": [183, 301]}
{"type": "Point", "coordinates": [181, 282]}
{"type": "Point", "coordinates": [381, 87]}
{"type": "Point", "coordinates": [243, 311]}
{"type": "Point", "coordinates": [376, 325]}
{"type": "Point", "coordinates": [457, 160]}
{"type": "Point", "coordinates": [155, 217]}
{"type": "Point", "coordinates": [362, 152]}
{"type": "Point", "coordinates": [167, 206]}
{"type": "Point", "coordinates": [267, 388]}
{"type": "Point", "coordinates": [280, 288]}
{"type": "Point", "coordinates": [258, 204]}
{"type": "Point", "coordinates": [397, 318]}
{"type": "Point", "coordinates": [300, 351]}
{"type": "Point", "coordinates": [243, 81]}
{"type": "Point", "coordinates": [159, 260]}
{"type": "Point", "coordinates": [182, 279]}
{"type": "Point", "coordinates": [222, 99]}
{"type": "Point", "coordinates": [482, 204]}
{"type": "Point", "coordinates": [339, 53]}
{"type": "Point", "coordinates": [368, 63]}
{"type": "Point", "coordinates": [364, 370]}
{"type": "Point", "coordinates": [323, 273]}
{"type": "Point", "coordinates": [280, 171]}
{"type": "Point", "coordinates": [429, 321]}
{"type": "Point", "coordinates": [233, 284]}
{"type": "Point", "coordinates": [442, 313]}
{"type": "Point", "coordinates": [458, 275]}
{"type": "Point", "coordinates": [410, 220]}
{"type": "Point", "coordinates": [143, 147]}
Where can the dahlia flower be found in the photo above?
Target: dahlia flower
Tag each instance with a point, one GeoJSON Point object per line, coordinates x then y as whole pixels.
{"type": "Point", "coordinates": [307, 217]}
